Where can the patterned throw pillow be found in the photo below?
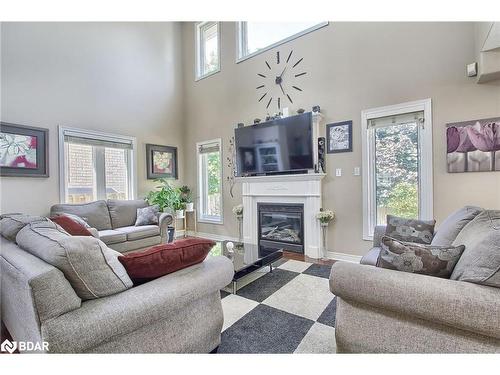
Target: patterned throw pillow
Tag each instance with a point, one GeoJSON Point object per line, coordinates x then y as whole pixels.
{"type": "Point", "coordinates": [410, 230]}
{"type": "Point", "coordinates": [147, 215]}
{"type": "Point", "coordinates": [429, 260]}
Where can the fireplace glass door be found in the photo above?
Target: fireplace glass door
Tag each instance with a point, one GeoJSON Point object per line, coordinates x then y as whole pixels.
{"type": "Point", "coordinates": [282, 223]}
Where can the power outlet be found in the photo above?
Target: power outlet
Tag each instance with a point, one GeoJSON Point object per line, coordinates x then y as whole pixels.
{"type": "Point", "coordinates": [338, 172]}
{"type": "Point", "coordinates": [357, 171]}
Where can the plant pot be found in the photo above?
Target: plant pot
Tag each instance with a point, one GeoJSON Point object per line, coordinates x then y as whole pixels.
{"type": "Point", "coordinates": [190, 207]}
{"type": "Point", "coordinates": [179, 214]}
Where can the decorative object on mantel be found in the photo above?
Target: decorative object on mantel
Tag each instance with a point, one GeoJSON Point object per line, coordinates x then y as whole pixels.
{"type": "Point", "coordinates": [316, 109]}
{"type": "Point", "coordinates": [238, 211]}
{"type": "Point", "coordinates": [231, 164]}
{"type": "Point", "coordinates": [23, 151]}
{"type": "Point", "coordinates": [325, 217]}
{"type": "Point", "coordinates": [275, 90]}
{"type": "Point", "coordinates": [473, 146]}
{"type": "Point", "coordinates": [161, 161]}
{"type": "Point", "coordinates": [240, 125]}
{"type": "Point", "coordinates": [339, 137]}
{"type": "Point", "coordinates": [256, 121]}
{"type": "Point", "coordinates": [300, 110]}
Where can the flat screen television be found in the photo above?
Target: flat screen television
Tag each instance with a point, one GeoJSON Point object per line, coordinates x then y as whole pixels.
{"type": "Point", "coordinates": [276, 146]}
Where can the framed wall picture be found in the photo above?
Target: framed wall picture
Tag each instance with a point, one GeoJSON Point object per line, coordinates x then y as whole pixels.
{"type": "Point", "coordinates": [473, 146]}
{"type": "Point", "coordinates": [161, 161]}
{"type": "Point", "coordinates": [23, 151]}
{"type": "Point", "coordinates": [339, 137]}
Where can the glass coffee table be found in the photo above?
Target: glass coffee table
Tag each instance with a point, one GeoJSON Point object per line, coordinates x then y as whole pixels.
{"type": "Point", "coordinates": [248, 258]}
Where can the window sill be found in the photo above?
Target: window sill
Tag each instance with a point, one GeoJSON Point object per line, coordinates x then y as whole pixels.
{"type": "Point", "coordinates": [199, 78]}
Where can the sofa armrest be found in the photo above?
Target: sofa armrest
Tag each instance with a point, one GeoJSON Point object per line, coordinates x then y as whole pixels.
{"type": "Point", "coordinates": [100, 320]}
{"type": "Point", "coordinates": [378, 233]}
{"type": "Point", "coordinates": [457, 304]}
{"type": "Point", "coordinates": [164, 220]}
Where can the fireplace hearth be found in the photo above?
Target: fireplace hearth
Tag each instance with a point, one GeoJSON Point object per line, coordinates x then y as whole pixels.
{"type": "Point", "coordinates": [281, 224]}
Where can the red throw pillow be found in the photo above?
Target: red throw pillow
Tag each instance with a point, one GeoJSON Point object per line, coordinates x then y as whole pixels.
{"type": "Point", "coordinates": [71, 226]}
{"type": "Point", "coordinates": [163, 259]}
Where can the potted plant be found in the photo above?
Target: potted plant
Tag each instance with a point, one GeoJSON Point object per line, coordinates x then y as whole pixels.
{"type": "Point", "coordinates": [325, 217]}
{"type": "Point", "coordinates": [166, 197]}
{"type": "Point", "coordinates": [185, 193]}
{"type": "Point", "coordinates": [238, 211]}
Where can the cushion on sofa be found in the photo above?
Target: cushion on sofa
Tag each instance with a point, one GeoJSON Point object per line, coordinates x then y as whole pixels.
{"type": "Point", "coordinates": [480, 262]}
{"type": "Point", "coordinates": [111, 236]}
{"type": "Point", "coordinates": [423, 259]}
{"type": "Point", "coordinates": [166, 258]}
{"type": "Point", "coordinates": [92, 269]}
{"type": "Point", "coordinates": [96, 214]}
{"type": "Point", "coordinates": [124, 212]}
{"type": "Point", "coordinates": [453, 224]}
{"type": "Point", "coordinates": [71, 226]}
{"type": "Point", "coordinates": [136, 233]}
{"type": "Point", "coordinates": [147, 215]}
{"type": "Point", "coordinates": [410, 230]}
{"type": "Point", "coordinates": [11, 224]}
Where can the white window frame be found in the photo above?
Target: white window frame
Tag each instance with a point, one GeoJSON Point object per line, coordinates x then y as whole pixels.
{"type": "Point", "coordinates": [199, 55]}
{"type": "Point", "coordinates": [368, 161]}
{"type": "Point", "coordinates": [241, 40]}
{"type": "Point", "coordinates": [200, 176]}
{"type": "Point", "coordinates": [100, 177]}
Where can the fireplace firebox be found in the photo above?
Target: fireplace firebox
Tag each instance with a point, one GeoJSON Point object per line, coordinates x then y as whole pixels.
{"type": "Point", "coordinates": [281, 225]}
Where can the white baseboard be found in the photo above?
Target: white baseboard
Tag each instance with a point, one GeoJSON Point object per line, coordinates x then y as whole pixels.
{"type": "Point", "coordinates": [218, 237]}
{"type": "Point", "coordinates": [344, 257]}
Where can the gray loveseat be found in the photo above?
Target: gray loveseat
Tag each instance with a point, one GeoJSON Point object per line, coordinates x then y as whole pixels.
{"type": "Point", "coordinates": [115, 219]}
{"type": "Point", "coordinates": [178, 313]}
{"type": "Point", "coordinates": [386, 311]}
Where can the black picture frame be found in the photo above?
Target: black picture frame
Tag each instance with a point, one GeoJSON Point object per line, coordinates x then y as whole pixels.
{"type": "Point", "coordinates": [150, 151]}
{"type": "Point", "coordinates": [330, 146]}
{"type": "Point", "coordinates": [42, 150]}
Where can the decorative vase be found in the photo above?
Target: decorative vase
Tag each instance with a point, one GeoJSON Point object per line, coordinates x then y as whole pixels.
{"type": "Point", "coordinates": [324, 251]}
{"type": "Point", "coordinates": [240, 227]}
{"type": "Point", "coordinates": [179, 214]}
{"type": "Point", "coordinates": [190, 207]}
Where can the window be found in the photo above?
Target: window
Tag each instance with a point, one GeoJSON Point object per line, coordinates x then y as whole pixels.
{"type": "Point", "coordinates": [95, 165]}
{"type": "Point", "coordinates": [257, 37]}
{"type": "Point", "coordinates": [210, 181]}
{"type": "Point", "coordinates": [207, 49]}
{"type": "Point", "coordinates": [397, 163]}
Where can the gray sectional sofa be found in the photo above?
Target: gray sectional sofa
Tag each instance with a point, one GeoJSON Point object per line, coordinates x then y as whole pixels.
{"type": "Point", "coordinates": [46, 277]}
{"type": "Point", "coordinates": [386, 311]}
{"type": "Point", "coordinates": [114, 221]}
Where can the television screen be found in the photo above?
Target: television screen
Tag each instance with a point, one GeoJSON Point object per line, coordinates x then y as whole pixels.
{"type": "Point", "coordinates": [281, 145]}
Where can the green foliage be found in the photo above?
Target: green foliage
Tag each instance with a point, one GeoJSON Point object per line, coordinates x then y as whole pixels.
{"type": "Point", "coordinates": [213, 169]}
{"type": "Point", "coordinates": [403, 200]}
{"type": "Point", "coordinates": [166, 196]}
{"type": "Point", "coordinates": [185, 194]}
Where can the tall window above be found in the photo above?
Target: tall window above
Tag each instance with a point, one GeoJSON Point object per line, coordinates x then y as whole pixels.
{"type": "Point", "coordinates": [210, 181]}
{"type": "Point", "coordinates": [397, 163]}
{"type": "Point", "coordinates": [207, 49]}
{"type": "Point", "coordinates": [257, 37]}
{"type": "Point", "coordinates": [95, 165]}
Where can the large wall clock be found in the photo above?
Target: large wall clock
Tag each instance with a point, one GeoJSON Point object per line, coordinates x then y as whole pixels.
{"type": "Point", "coordinates": [279, 81]}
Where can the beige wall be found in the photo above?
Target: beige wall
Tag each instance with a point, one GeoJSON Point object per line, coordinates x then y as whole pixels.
{"type": "Point", "coordinates": [351, 67]}
{"type": "Point", "coordinates": [123, 78]}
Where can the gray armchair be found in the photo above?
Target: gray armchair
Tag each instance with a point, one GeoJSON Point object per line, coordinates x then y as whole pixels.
{"type": "Point", "coordinates": [371, 257]}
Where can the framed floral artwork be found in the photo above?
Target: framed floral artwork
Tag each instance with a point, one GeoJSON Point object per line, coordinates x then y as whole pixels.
{"type": "Point", "coordinates": [23, 151]}
{"type": "Point", "coordinates": [161, 161]}
{"type": "Point", "coordinates": [473, 146]}
{"type": "Point", "coordinates": [339, 137]}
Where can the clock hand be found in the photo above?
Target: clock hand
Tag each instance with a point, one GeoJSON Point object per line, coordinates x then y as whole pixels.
{"type": "Point", "coordinates": [281, 87]}
{"type": "Point", "coordinates": [281, 75]}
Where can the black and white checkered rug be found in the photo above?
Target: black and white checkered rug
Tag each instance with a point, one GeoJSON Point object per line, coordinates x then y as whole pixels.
{"type": "Point", "coordinates": [290, 310]}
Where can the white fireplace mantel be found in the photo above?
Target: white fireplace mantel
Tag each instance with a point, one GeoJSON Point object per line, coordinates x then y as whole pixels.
{"type": "Point", "coordinates": [293, 188]}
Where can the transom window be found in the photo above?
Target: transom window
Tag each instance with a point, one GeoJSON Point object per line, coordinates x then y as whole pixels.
{"type": "Point", "coordinates": [397, 163]}
{"type": "Point", "coordinates": [95, 166]}
{"type": "Point", "coordinates": [210, 181]}
{"type": "Point", "coordinates": [257, 37]}
{"type": "Point", "coordinates": [207, 49]}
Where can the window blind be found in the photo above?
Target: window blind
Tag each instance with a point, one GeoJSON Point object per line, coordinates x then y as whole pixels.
{"type": "Point", "coordinates": [92, 139]}
{"type": "Point", "coordinates": [405, 118]}
{"type": "Point", "coordinates": [209, 147]}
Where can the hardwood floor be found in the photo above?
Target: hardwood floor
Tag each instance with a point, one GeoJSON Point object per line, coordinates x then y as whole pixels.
{"type": "Point", "coordinates": [304, 258]}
